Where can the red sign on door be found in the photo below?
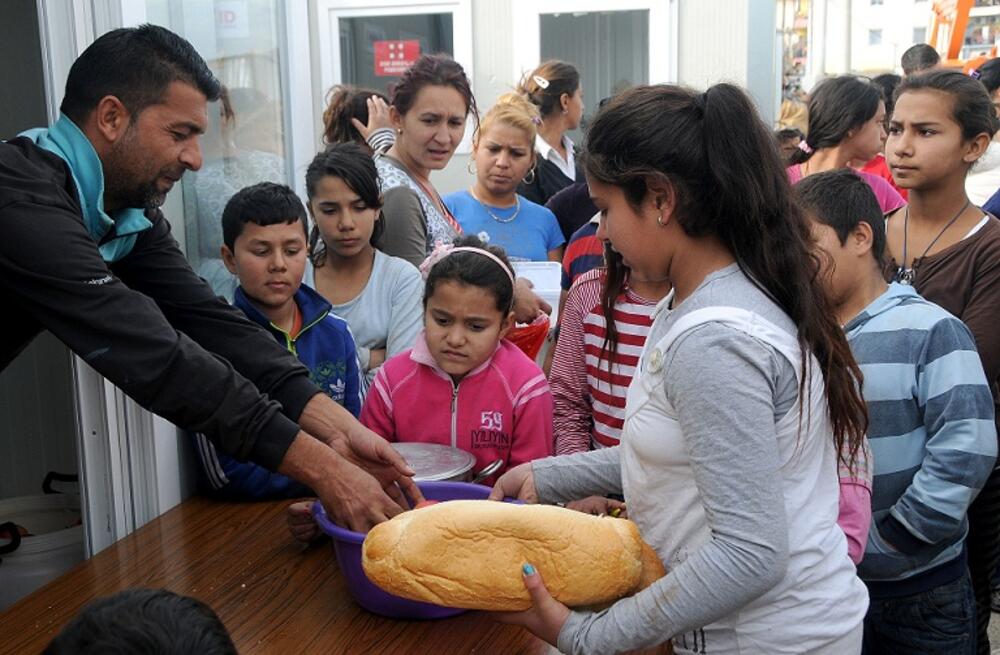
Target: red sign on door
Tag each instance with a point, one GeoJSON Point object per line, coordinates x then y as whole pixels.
{"type": "Point", "coordinates": [394, 57]}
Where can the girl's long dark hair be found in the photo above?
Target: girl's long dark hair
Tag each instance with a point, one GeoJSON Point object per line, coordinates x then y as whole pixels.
{"type": "Point", "coordinates": [836, 106]}
{"type": "Point", "coordinates": [614, 278]}
{"type": "Point", "coordinates": [353, 164]}
{"type": "Point", "coordinates": [729, 182]}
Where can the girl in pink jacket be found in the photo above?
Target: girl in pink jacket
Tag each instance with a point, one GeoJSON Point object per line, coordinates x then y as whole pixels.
{"type": "Point", "coordinates": [462, 384]}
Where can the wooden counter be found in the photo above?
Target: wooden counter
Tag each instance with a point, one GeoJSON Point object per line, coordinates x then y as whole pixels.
{"type": "Point", "coordinates": [274, 595]}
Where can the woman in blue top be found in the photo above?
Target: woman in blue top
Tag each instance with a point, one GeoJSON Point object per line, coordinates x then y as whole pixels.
{"type": "Point", "coordinates": [492, 209]}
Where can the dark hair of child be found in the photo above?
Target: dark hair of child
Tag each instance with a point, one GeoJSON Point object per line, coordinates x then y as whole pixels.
{"type": "Point", "coordinates": [699, 144]}
{"type": "Point", "coordinates": [972, 108]}
{"type": "Point", "coordinates": [989, 75]}
{"type": "Point", "coordinates": [345, 102]}
{"type": "Point", "coordinates": [264, 203]}
{"type": "Point", "coordinates": [144, 621]}
{"type": "Point", "coordinates": [836, 106]}
{"type": "Point", "coordinates": [918, 58]}
{"type": "Point", "coordinates": [474, 270]}
{"type": "Point", "coordinates": [355, 166]}
{"type": "Point", "coordinates": [842, 200]}
{"type": "Point", "coordinates": [887, 83]}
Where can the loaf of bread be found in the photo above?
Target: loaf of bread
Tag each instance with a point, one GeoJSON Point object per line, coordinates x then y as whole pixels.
{"type": "Point", "coordinates": [469, 553]}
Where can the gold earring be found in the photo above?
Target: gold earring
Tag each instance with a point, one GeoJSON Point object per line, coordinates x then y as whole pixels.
{"type": "Point", "coordinates": [659, 221]}
{"type": "Point", "coordinates": [399, 130]}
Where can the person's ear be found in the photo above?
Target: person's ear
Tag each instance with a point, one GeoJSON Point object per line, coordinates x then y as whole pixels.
{"type": "Point", "coordinates": [506, 325]}
{"type": "Point", "coordinates": [110, 118]}
{"type": "Point", "coordinates": [661, 198]}
{"type": "Point", "coordinates": [564, 101]}
{"type": "Point", "coordinates": [975, 148]}
{"type": "Point", "coordinates": [861, 239]}
{"type": "Point", "coordinates": [396, 119]}
{"type": "Point", "coordinates": [228, 258]}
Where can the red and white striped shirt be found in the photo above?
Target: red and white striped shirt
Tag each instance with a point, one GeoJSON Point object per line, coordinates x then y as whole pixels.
{"type": "Point", "coordinates": [589, 385]}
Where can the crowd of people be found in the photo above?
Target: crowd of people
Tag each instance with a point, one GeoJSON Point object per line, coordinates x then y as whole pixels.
{"type": "Point", "coordinates": [777, 356]}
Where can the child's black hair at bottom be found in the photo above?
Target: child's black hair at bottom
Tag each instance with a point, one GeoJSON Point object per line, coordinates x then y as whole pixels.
{"type": "Point", "coordinates": [475, 270]}
{"type": "Point", "coordinates": [144, 621]}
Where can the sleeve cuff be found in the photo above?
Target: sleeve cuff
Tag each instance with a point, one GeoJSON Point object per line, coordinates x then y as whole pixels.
{"type": "Point", "coordinates": [364, 358]}
{"type": "Point", "coordinates": [294, 394]}
{"type": "Point", "coordinates": [273, 441]}
{"type": "Point", "coordinates": [896, 534]}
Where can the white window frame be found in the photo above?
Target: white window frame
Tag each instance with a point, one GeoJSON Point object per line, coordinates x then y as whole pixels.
{"type": "Point", "coordinates": [328, 35]}
{"type": "Point", "coordinates": [663, 38]}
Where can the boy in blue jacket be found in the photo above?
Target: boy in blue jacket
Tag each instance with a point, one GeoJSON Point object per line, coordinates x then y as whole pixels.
{"type": "Point", "coordinates": [264, 234]}
{"type": "Point", "coordinates": [931, 429]}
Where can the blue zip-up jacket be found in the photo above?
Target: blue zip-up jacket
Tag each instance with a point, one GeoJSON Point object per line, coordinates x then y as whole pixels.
{"type": "Point", "coordinates": [932, 436]}
{"type": "Point", "coordinates": [326, 347]}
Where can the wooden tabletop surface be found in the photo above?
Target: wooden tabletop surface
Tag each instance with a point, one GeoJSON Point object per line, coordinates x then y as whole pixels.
{"type": "Point", "coordinates": [274, 595]}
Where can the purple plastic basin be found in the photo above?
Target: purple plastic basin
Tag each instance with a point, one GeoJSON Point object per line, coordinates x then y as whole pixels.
{"type": "Point", "coordinates": [347, 546]}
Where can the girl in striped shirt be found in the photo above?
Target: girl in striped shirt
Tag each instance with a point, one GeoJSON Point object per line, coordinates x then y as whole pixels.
{"type": "Point", "coordinates": [594, 359]}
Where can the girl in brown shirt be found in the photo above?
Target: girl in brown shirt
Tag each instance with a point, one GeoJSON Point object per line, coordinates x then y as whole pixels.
{"type": "Point", "coordinates": [949, 250]}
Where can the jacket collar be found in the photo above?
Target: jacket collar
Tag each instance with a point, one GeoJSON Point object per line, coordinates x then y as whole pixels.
{"type": "Point", "coordinates": [421, 354]}
{"type": "Point", "coordinates": [312, 305]}
{"type": "Point", "coordinates": [66, 140]}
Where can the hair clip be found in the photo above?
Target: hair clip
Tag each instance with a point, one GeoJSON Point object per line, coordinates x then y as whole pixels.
{"type": "Point", "coordinates": [536, 120]}
{"type": "Point", "coordinates": [540, 81]}
{"type": "Point", "coordinates": [975, 74]}
{"type": "Point", "coordinates": [804, 147]}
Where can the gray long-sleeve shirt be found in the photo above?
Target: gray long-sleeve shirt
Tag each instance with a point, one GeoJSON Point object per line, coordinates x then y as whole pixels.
{"type": "Point", "coordinates": [729, 431]}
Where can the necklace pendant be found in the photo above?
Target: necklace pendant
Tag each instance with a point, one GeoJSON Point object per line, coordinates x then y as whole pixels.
{"type": "Point", "coordinates": [904, 276]}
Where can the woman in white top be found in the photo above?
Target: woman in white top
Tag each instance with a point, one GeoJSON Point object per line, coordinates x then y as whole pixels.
{"type": "Point", "coordinates": [744, 391]}
{"type": "Point", "coordinates": [553, 87]}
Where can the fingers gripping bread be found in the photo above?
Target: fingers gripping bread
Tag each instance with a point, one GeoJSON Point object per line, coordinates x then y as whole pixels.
{"type": "Point", "coordinates": [468, 553]}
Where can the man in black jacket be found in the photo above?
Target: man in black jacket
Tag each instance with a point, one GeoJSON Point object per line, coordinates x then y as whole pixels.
{"type": "Point", "coordinates": [86, 253]}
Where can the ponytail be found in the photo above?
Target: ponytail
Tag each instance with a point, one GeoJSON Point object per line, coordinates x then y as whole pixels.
{"type": "Point", "coordinates": [836, 106]}
{"type": "Point", "coordinates": [729, 182]}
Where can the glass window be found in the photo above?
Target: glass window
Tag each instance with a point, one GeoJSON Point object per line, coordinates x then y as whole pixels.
{"type": "Point", "coordinates": [245, 141]}
{"type": "Point", "coordinates": [375, 50]}
{"type": "Point", "coordinates": [919, 34]}
{"type": "Point", "coordinates": [874, 37]}
{"type": "Point", "coordinates": [610, 49]}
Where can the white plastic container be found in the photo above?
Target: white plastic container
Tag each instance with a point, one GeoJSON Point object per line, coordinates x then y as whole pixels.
{"type": "Point", "coordinates": [56, 547]}
{"type": "Point", "coordinates": [547, 278]}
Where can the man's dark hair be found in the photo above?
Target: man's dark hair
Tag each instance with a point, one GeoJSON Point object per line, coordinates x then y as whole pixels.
{"type": "Point", "coordinates": [786, 133]}
{"type": "Point", "coordinates": [887, 83]}
{"type": "Point", "coordinates": [135, 65]}
{"type": "Point", "coordinates": [264, 203]}
{"type": "Point", "coordinates": [841, 199]}
{"type": "Point", "coordinates": [918, 58]}
{"type": "Point", "coordinates": [989, 75]}
{"type": "Point", "coordinates": [144, 621]}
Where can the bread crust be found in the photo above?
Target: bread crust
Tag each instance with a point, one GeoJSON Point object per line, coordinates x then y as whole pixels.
{"type": "Point", "coordinates": [469, 553]}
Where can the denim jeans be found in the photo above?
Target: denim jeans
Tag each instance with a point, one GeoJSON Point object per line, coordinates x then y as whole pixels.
{"type": "Point", "coordinates": [942, 620]}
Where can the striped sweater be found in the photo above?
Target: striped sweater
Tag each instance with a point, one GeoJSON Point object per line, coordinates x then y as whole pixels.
{"type": "Point", "coordinates": [588, 384]}
{"type": "Point", "coordinates": [932, 439]}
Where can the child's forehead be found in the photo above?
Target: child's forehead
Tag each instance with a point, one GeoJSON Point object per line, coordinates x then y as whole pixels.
{"type": "Point", "coordinates": [280, 232]}
{"type": "Point", "coordinates": [925, 105]}
{"type": "Point", "coordinates": [456, 297]}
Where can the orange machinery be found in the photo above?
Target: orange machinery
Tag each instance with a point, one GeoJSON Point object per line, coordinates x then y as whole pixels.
{"type": "Point", "coordinates": [950, 20]}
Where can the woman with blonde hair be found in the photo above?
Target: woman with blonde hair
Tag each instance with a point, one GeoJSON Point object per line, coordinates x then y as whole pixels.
{"type": "Point", "coordinates": [503, 153]}
{"type": "Point", "coordinates": [554, 88]}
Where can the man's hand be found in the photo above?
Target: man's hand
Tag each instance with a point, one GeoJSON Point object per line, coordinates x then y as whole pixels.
{"type": "Point", "coordinates": [547, 615]}
{"type": "Point", "coordinates": [527, 304]}
{"type": "Point", "coordinates": [518, 482]}
{"type": "Point", "coordinates": [336, 427]}
{"type": "Point", "coordinates": [351, 496]}
{"type": "Point", "coordinates": [378, 117]}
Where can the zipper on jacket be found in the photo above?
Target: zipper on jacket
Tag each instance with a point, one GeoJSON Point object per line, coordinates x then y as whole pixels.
{"type": "Point", "coordinates": [454, 415]}
{"type": "Point", "coordinates": [290, 341]}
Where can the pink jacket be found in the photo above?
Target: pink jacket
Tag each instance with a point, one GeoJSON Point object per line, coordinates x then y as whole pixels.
{"type": "Point", "coordinates": [500, 410]}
